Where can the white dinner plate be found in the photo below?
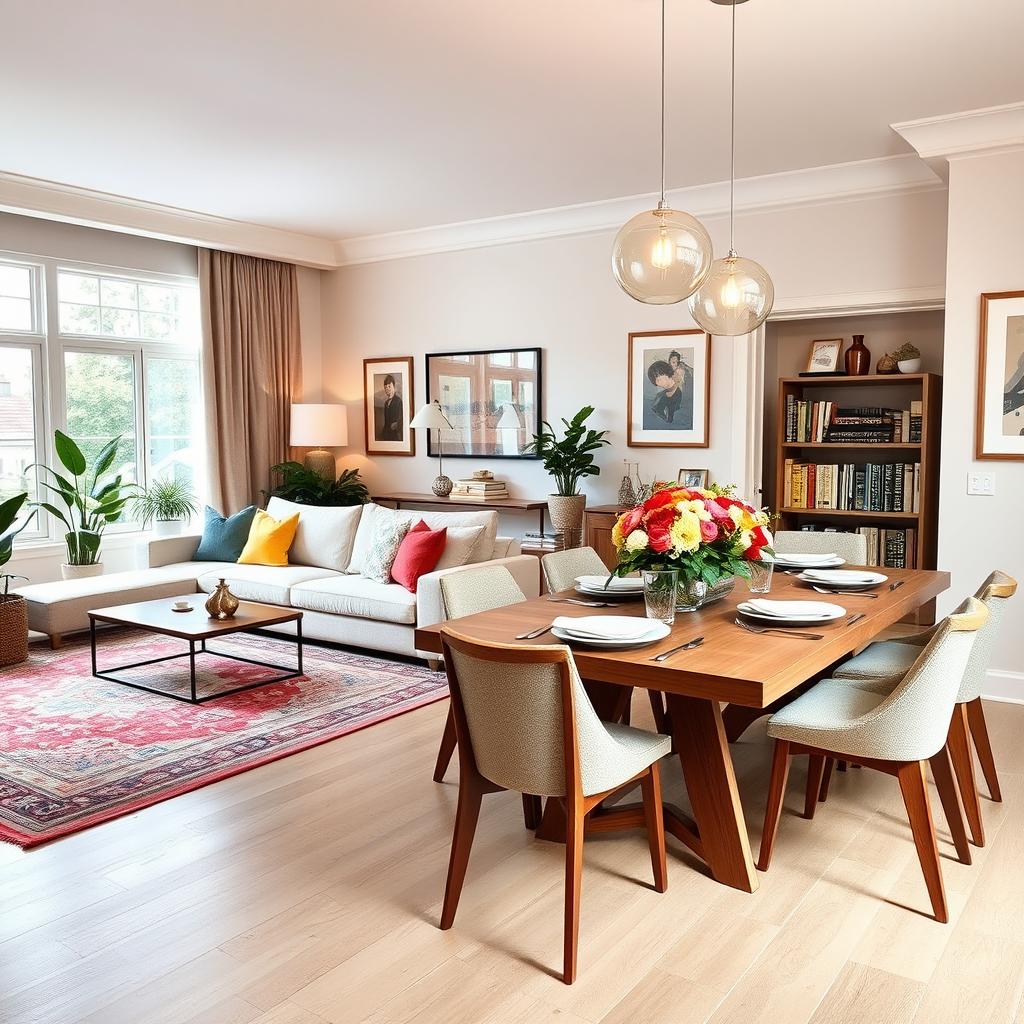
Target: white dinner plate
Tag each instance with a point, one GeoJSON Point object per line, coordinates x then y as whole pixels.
{"type": "Point", "coordinates": [829, 613]}
{"type": "Point", "coordinates": [616, 585]}
{"type": "Point", "coordinates": [604, 627]}
{"type": "Point", "coordinates": [615, 595]}
{"type": "Point", "coordinates": [658, 631]}
{"type": "Point", "coordinates": [804, 563]}
{"type": "Point", "coordinates": [843, 579]}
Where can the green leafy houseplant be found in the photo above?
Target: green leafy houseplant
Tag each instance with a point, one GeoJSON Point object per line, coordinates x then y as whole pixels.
{"type": "Point", "coordinates": [906, 351]}
{"type": "Point", "coordinates": [92, 497]}
{"type": "Point", "coordinates": [570, 459]}
{"type": "Point", "coordinates": [9, 510]}
{"type": "Point", "coordinates": [165, 500]}
{"type": "Point", "coordinates": [307, 487]}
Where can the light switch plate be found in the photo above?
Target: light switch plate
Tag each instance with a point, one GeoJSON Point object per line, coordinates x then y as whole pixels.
{"type": "Point", "coordinates": [981, 483]}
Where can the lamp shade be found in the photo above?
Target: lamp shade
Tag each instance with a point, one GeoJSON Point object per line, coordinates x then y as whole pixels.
{"type": "Point", "coordinates": [431, 417]}
{"type": "Point", "coordinates": [319, 426]}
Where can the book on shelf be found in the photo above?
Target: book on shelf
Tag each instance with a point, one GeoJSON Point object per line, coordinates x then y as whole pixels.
{"type": "Point", "coordinates": [916, 418]}
{"type": "Point", "coordinates": [482, 499]}
{"type": "Point", "coordinates": [825, 422]}
{"type": "Point", "coordinates": [852, 486]}
{"type": "Point", "coordinates": [886, 548]}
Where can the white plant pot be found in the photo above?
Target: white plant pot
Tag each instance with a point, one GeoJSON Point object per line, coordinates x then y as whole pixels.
{"type": "Point", "coordinates": [80, 572]}
{"type": "Point", "coordinates": [167, 527]}
{"type": "Point", "coordinates": [910, 365]}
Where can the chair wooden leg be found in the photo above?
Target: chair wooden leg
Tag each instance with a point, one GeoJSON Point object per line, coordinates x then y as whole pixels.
{"type": "Point", "coordinates": [979, 732]}
{"type": "Point", "coordinates": [776, 792]}
{"type": "Point", "coordinates": [448, 743]}
{"type": "Point", "coordinates": [470, 795]}
{"type": "Point", "coordinates": [658, 710]}
{"type": "Point", "coordinates": [826, 778]}
{"type": "Point", "coordinates": [942, 772]}
{"type": "Point", "coordinates": [959, 744]}
{"type": "Point", "coordinates": [532, 810]}
{"type": "Point", "coordinates": [650, 786]}
{"type": "Point", "coordinates": [915, 796]}
{"type": "Point", "coordinates": [815, 772]}
{"type": "Point", "coordinates": [574, 827]}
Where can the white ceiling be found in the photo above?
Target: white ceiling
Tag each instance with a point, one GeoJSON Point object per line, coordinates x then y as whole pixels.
{"type": "Point", "coordinates": [345, 118]}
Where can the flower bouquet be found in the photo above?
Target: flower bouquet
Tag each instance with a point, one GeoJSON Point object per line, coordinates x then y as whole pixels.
{"type": "Point", "coordinates": [705, 534]}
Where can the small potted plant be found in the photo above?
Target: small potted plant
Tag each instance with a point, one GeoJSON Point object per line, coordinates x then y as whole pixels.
{"type": "Point", "coordinates": [13, 607]}
{"type": "Point", "coordinates": [93, 498]}
{"type": "Point", "coordinates": [166, 503]}
{"type": "Point", "coordinates": [908, 358]}
{"type": "Point", "coordinates": [568, 460]}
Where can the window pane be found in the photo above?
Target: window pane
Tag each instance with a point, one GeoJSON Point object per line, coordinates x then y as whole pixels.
{"type": "Point", "coordinates": [174, 419]}
{"type": "Point", "coordinates": [157, 326]}
{"type": "Point", "coordinates": [79, 319]}
{"type": "Point", "coordinates": [121, 323]}
{"type": "Point", "coordinates": [123, 294]}
{"type": "Point", "coordinates": [158, 299]}
{"type": "Point", "coordinates": [15, 314]}
{"type": "Point", "coordinates": [100, 397]}
{"type": "Point", "coordinates": [501, 359]}
{"type": "Point", "coordinates": [78, 288]}
{"type": "Point", "coordinates": [17, 424]}
{"type": "Point", "coordinates": [15, 282]}
{"type": "Point", "coordinates": [526, 359]}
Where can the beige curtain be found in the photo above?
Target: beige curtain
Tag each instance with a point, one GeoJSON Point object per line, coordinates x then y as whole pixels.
{"type": "Point", "coordinates": [252, 371]}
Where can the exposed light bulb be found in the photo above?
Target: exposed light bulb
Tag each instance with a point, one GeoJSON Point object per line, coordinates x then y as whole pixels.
{"type": "Point", "coordinates": [731, 295]}
{"type": "Point", "coordinates": [661, 254]}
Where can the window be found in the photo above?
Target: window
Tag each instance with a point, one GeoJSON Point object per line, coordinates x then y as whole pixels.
{"type": "Point", "coordinates": [120, 353]}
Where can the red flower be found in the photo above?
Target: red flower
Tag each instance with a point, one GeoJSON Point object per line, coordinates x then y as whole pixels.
{"type": "Point", "coordinates": [658, 524]}
{"type": "Point", "coordinates": [658, 500]}
{"type": "Point", "coordinates": [632, 520]}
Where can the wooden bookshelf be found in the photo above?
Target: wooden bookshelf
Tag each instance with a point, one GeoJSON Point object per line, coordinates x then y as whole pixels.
{"type": "Point", "coordinates": [895, 391]}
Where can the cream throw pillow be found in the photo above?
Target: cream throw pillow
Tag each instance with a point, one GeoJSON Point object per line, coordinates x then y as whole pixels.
{"type": "Point", "coordinates": [388, 534]}
{"type": "Point", "coordinates": [325, 534]}
{"type": "Point", "coordinates": [460, 547]}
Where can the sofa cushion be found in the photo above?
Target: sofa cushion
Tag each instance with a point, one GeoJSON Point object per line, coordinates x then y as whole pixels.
{"type": "Point", "coordinates": [224, 536]}
{"type": "Point", "coordinates": [270, 584]}
{"type": "Point", "coordinates": [325, 534]}
{"type": "Point", "coordinates": [269, 540]}
{"type": "Point", "coordinates": [356, 596]}
{"type": "Point", "coordinates": [463, 542]}
{"type": "Point", "coordinates": [418, 554]}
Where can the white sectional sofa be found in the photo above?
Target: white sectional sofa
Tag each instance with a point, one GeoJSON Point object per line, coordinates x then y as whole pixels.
{"type": "Point", "coordinates": [323, 579]}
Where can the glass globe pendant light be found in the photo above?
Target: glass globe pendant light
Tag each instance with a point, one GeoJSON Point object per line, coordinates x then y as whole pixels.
{"type": "Point", "coordinates": [661, 256]}
{"type": "Point", "coordinates": [737, 296]}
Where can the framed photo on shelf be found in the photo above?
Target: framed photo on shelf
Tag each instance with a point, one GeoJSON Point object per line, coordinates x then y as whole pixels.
{"type": "Point", "coordinates": [669, 389]}
{"type": "Point", "coordinates": [824, 355]}
{"type": "Point", "coordinates": [492, 399]}
{"type": "Point", "coordinates": [389, 404]}
{"type": "Point", "coordinates": [692, 478]}
{"type": "Point", "coordinates": [1000, 413]}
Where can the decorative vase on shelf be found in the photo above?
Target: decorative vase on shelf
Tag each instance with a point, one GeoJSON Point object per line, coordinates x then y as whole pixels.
{"type": "Point", "coordinates": [887, 365]}
{"type": "Point", "coordinates": [858, 358]}
{"type": "Point", "coordinates": [222, 604]}
{"type": "Point", "coordinates": [909, 365]}
{"type": "Point", "coordinates": [627, 492]}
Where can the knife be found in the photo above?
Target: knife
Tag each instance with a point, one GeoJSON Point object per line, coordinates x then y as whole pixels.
{"type": "Point", "coordinates": [854, 618]}
{"type": "Point", "coordinates": [897, 584]}
{"type": "Point", "coordinates": [688, 646]}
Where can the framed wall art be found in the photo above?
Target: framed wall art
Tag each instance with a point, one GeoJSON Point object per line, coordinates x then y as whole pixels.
{"type": "Point", "coordinates": [389, 402]}
{"type": "Point", "coordinates": [1000, 413]}
{"type": "Point", "coordinates": [492, 398]}
{"type": "Point", "coordinates": [824, 355]}
{"type": "Point", "coordinates": [669, 389]}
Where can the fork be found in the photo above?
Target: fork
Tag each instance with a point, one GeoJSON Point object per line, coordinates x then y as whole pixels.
{"type": "Point", "coordinates": [782, 632]}
{"type": "Point", "coordinates": [846, 593]}
{"type": "Point", "coordinates": [585, 604]}
{"type": "Point", "coordinates": [534, 633]}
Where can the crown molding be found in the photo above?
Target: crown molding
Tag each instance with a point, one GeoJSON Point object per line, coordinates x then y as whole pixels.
{"type": "Point", "coordinates": [967, 133]}
{"type": "Point", "coordinates": [809, 186]}
{"type": "Point", "coordinates": [894, 300]}
{"type": "Point", "coordinates": [54, 201]}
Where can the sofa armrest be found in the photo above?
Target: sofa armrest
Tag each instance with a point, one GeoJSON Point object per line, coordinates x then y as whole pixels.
{"type": "Point", "coordinates": [169, 550]}
{"type": "Point", "coordinates": [430, 604]}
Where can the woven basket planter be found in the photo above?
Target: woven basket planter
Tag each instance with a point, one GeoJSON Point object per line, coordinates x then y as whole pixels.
{"type": "Point", "coordinates": [13, 630]}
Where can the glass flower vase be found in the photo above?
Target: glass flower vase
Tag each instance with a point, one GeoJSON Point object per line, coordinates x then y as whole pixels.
{"type": "Point", "coordinates": [690, 595]}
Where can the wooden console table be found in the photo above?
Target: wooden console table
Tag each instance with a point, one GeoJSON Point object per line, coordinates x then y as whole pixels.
{"type": "Point", "coordinates": [497, 504]}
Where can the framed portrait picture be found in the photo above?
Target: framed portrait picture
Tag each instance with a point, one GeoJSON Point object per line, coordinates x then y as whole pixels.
{"type": "Point", "coordinates": [692, 478]}
{"type": "Point", "coordinates": [1000, 414]}
{"type": "Point", "coordinates": [824, 355]}
{"type": "Point", "coordinates": [492, 399]}
{"type": "Point", "coordinates": [390, 405]}
{"type": "Point", "coordinates": [669, 388]}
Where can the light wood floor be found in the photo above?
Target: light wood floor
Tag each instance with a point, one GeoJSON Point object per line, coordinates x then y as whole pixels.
{"type": "Point", "coordinates": [309, 890]}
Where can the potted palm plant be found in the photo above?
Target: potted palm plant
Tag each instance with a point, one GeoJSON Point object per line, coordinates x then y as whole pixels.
{"type": "Point", "coordinates": [93, 498]}
{"type": "Point", "coordinates": [166, 503]}
{"type": "Point", "coordinates": [568, 461]}
{"type": "Point", "coordinates": [13, 608]}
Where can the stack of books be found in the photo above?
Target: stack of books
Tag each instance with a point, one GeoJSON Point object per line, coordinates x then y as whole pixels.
{"type": "Point", "coordinates": [826, 422]}
{"type": "Point", "coordinates": [851, 486]}
{"type": "Point", "coordinates": [479, 490]}
{"type": "Point", "coordinates": [553, 541]}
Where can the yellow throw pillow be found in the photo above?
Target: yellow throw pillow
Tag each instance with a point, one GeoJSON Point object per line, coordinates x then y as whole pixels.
{"type": "Point", "coordinates": [269, 540]}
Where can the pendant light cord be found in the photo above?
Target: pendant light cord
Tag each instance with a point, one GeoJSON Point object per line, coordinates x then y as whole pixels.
{"type": "Point", "coordinates": [662, 203]}
{"type": "Point", "coordinates": [732, 143]}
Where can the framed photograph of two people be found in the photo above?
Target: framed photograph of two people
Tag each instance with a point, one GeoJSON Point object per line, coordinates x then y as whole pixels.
{"type": "Point", "coordinates": [389, 404]}
{"type": "Point", "coordinates": [668, 401]}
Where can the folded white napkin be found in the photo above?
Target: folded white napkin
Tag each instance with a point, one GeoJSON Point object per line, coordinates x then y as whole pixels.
{"type": "Point", "coordinates": [791, 609]}
{"type": "Point", "coordinates": [605, 627]}
{"type": "Point", "coordinates": [802, 559]}
{"type": "Point", "coordinates": [843, 576]}
{"type": "Point", "coordinates": [616, 582]}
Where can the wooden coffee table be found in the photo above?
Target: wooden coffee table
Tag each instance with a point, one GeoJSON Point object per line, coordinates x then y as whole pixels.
{"type": "Point", "coordinates": [197, 628]}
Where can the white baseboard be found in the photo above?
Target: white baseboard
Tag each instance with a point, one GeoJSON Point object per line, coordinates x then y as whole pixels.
{"type": "Point", "coordinates": [1004, 686]}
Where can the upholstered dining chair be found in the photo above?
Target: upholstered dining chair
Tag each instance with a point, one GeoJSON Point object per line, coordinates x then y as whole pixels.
{"type": "Point", "coordinates": [525, 723]}
{"type": "Point", "coordinates": [467, 593]}
{"type": "Point", "coordinates": [894, 733]}
{"type": "Point", "coordinates": [881, 665]}
{"type": "Point", "coordinates": [851, 546]}
{"type": "Point", "coordinates": [562, 567]}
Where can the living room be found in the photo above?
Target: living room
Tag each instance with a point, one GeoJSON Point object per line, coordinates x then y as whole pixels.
{"type": "Point", "coordinates": [348, 342]}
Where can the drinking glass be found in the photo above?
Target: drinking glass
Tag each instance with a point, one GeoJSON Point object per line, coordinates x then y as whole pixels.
{"type": "Point", "coordinates": [760, 581]}
{"type": "Point", "coordinates": [660, 594]}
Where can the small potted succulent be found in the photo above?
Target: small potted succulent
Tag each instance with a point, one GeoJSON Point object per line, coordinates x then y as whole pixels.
{"type": "Point", "coordinates": [13, 607]}
{"type": "Point", "coordinates": [166, 503]}
{"type": "Point", "coordinates": [908, 358]}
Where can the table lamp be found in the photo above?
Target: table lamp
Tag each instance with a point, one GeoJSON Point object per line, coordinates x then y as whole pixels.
{"type": "Point", "coordinates": [320, 426]}
{"type": "Point", "coordinates": [431, 417]}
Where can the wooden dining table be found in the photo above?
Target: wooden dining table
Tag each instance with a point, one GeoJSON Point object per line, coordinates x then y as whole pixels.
{"type": "Point", "coordinates": [733, 666]}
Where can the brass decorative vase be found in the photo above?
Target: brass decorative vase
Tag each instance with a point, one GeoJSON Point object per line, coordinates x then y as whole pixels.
{"type": "Point", "coordinates": [222, 604]}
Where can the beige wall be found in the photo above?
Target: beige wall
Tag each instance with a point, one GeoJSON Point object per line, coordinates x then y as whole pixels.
{"type": "Point", "coordinates": [977, 534]}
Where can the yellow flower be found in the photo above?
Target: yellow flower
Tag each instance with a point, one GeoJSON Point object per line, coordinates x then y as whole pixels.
{"type": "Point", "coordinates": [742, 519]}
{"type": "Point", "coordinates": [636, 541]}
{"type": "Point", "coordinates": [696, 507]}
{"type": "Point", "coordinates": [685, 532]}
{"type": "Point", "coordinates": [617, 538]}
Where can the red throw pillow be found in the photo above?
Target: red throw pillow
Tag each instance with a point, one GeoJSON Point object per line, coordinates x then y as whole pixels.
{"type": "Point", "coordinates": [421, 549]}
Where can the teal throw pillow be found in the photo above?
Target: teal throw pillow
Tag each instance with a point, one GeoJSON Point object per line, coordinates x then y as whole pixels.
{"type": "Point", "coordinates": [224, 537]}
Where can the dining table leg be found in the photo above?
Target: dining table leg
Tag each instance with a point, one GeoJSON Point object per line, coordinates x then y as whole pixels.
{"type": "Point", "coordinates": [703, 748]}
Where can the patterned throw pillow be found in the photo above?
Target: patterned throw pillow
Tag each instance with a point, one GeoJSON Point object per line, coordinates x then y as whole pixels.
{"type": "Point", "coordinates": [388, 534]}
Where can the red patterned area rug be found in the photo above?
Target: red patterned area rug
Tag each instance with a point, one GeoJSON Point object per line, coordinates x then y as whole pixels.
{"type": "Point", "coordinates": [76, 750]}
